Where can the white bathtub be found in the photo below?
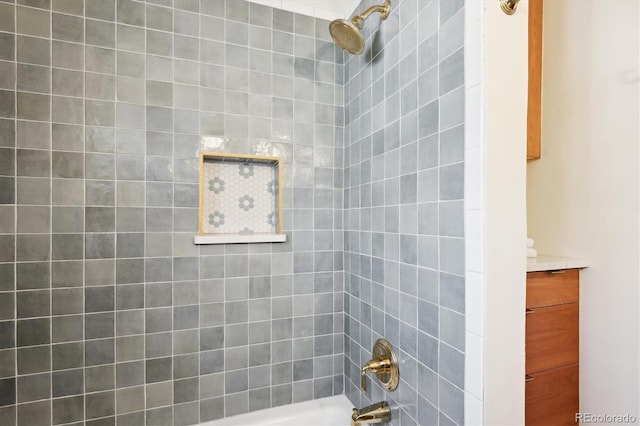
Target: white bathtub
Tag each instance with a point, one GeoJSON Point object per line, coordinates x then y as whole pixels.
{"type": "Point", "coordinates": [331, 411]}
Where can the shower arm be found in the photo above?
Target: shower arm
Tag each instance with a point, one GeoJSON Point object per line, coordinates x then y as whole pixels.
{"type": "Point", "coordinates": [509, 6]}
{"type": "Point", "coordinates": [358, 20]}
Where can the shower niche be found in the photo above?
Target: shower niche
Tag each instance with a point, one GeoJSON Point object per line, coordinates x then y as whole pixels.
{"type": "Point", "coordinates": [240, 199]}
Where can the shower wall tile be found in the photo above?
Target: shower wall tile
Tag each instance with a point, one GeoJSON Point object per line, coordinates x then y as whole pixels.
{"type": "Point", "coordinates": [108, 311]}
{"type": "Point", "coordinates": [404, 209]}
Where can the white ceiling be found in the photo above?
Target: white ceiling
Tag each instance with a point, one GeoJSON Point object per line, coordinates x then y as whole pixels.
{"type": "Point", "coordinates": [325, 9]}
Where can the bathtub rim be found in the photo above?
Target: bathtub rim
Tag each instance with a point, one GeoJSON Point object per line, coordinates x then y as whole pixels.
{"type": "Point", "coordinates": [267, 416]}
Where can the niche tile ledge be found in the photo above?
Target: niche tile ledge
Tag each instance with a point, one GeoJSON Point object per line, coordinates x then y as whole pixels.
{"type": "Point", "coordinates": [239, 239]}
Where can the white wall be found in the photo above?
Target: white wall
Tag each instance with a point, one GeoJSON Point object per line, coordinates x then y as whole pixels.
{"type": "Point", "coordinates": [583, 195]}
{"type": "Point", "coordinates": [495, 182]}
{"type": "Point", "coordinates": [505, 223]}
{"type": "Point", "coordinates": [325, 9]}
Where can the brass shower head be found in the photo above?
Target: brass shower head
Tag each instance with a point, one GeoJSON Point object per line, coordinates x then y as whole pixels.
{"type": "Point", "coordinates": [347, 35]}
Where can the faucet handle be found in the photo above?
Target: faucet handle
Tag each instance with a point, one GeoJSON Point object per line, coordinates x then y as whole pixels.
{"type": "Point", "coordinates": [377, 366]}
{"type": "Point", "coordinates": [363, 380]}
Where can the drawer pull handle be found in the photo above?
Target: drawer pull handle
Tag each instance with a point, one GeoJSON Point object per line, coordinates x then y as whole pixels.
{"type": "Point", "coordinates": [528, 378]}
{"type": "Point", "coordinates": [529, 311]}
{"type": "Point", "coordinates": [559, 271]}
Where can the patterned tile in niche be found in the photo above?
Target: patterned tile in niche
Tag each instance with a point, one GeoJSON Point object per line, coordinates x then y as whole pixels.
{"type": "Point", "coordinates": [246, 202]}
{"type": "Point", "coordinates": [239, 197]}
{"type": "Point", "coordinates": [245, 170]}
{"type": "Point", "coordinates": [216, 185]}
{"type": "Point", "coordinates": [216, 219]}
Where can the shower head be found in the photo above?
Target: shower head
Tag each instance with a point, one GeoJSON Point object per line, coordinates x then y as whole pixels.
{"type": "Point", "coordinates": [347, 34]}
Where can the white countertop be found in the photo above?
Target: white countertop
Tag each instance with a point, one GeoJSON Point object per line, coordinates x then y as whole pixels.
{"type": "Point", "coordinates": [544, 262]}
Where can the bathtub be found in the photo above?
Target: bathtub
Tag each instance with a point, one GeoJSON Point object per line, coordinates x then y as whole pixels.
{"type": "Point", "coordinates": [331, 411]}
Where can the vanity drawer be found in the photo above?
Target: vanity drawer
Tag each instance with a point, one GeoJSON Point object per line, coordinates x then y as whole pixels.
{"type": "Point", "coordinates": [551, 397]}
{"type": "Point", "coordinates": [551, 337]}
{"type": "Point", "coordinates": [552, 287]}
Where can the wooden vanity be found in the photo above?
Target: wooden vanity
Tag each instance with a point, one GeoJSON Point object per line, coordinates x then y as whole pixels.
{"type": "Point", "coordinates": [552, 344]}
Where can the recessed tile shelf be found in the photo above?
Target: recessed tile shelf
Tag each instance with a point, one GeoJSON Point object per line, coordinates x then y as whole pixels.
{"type": "Point", "coordinates": [240, 199]}
{"type": "Point", "coordinates": [238, 239]}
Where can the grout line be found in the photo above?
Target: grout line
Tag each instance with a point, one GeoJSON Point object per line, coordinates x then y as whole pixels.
{"type": "Point", "coordinates": [50, 19]}
{"type": "Point", "coordinates": [15, 210]}
{"type": "Point", "coordinates": [115, 225]}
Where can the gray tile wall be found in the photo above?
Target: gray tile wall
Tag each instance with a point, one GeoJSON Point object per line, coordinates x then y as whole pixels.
{"type": "Point", "coordinates": [404, 227]}
{"type": "Point", "coordinates": [108, 312]}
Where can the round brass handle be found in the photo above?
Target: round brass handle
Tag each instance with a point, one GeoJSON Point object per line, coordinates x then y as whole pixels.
{"type": "Point", "coordinates": [388, 377]}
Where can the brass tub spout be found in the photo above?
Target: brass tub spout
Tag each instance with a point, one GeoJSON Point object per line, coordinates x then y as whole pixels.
{"type": "Point", "coordinates": [376, 413]}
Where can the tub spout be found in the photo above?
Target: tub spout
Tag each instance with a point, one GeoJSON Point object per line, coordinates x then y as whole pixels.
{"type": "Point", "coordinates": [376, 413]}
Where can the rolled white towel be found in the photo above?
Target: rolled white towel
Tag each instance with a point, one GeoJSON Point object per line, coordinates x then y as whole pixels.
{"type": "Point", "coordinates": [529, 242]}
{"type": "Point", "coordinates": [531, 252]}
